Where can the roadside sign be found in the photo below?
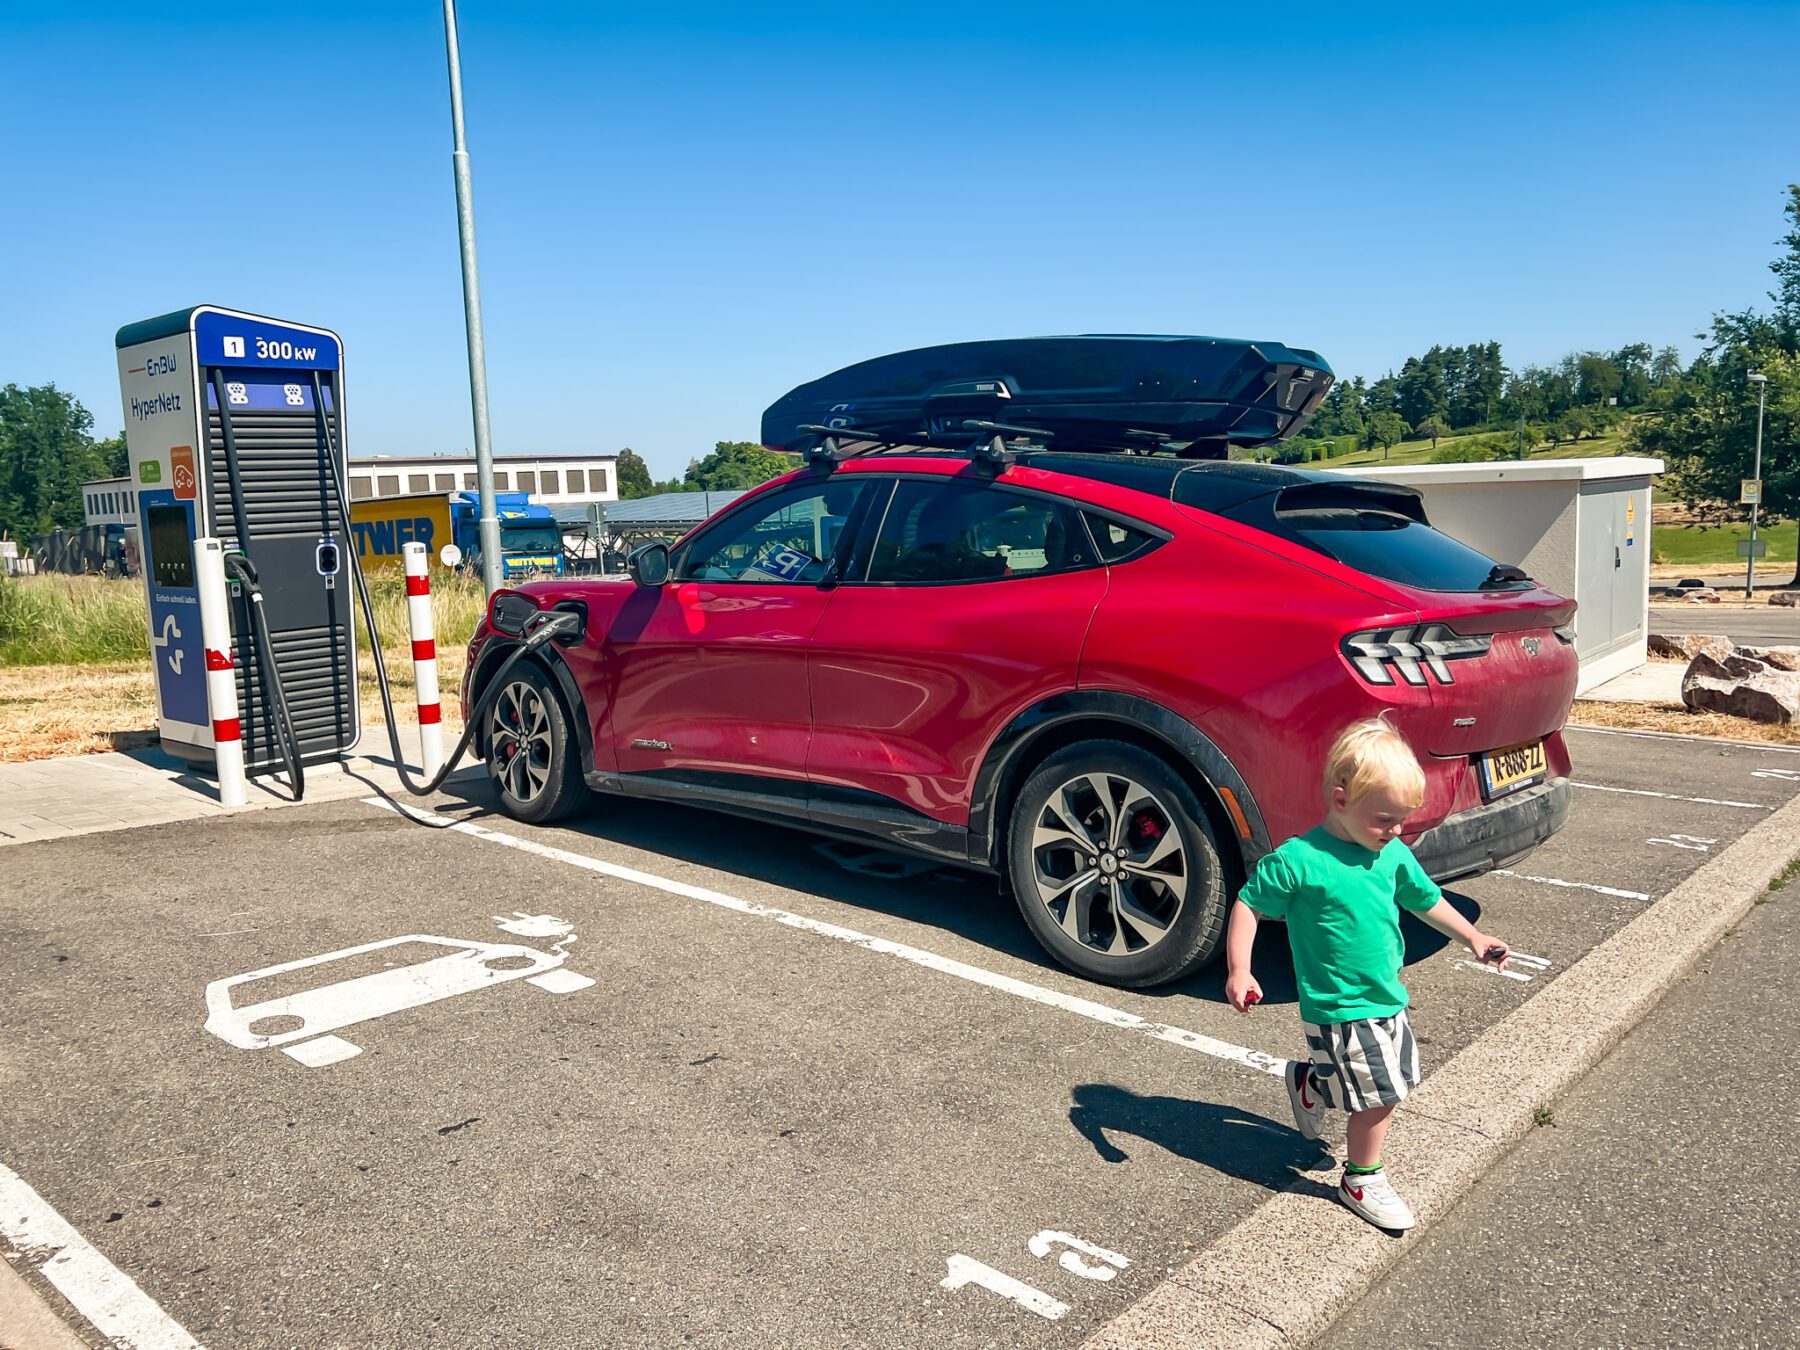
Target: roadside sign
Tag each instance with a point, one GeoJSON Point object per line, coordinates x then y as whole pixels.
{"type": "Point", "coordinates": [1753, 548]}
{"type": "Point", "coordinates": [1750, 491]}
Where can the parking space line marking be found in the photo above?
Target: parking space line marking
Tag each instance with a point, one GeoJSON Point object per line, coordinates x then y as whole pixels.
{"type": "Point", "coordinates": [98, 1290]}
{"type": "Point", "coordinates": [1007, 984]}
{"type": "Point", "coordinates": [1672, 797]}
{"type": "Point", "coordinates": [1677, 736]}
{"type": "Point", "coordinates": [1572, 885]}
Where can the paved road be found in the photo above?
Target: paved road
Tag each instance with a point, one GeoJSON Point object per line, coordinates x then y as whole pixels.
{"type": "Point", "coordinates": [805, 1081]}
{"type": "Point", "coordinates": [1660, 1208]}
{"type": "Point", "coordinates": [1759, 626]}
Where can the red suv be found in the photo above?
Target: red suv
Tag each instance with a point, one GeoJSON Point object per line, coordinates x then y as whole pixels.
{"type": "Point", "coordinates": [1106, 673]}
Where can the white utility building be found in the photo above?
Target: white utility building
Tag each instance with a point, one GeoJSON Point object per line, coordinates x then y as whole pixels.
{"type": "Point", "coordinates": [1579, 526]}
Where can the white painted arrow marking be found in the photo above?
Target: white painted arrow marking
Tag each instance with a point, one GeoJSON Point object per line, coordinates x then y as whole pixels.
{"type": "Point", "coordinates": [1537, 965]}
{"type": "Point", "coordinates": [1697, 843]}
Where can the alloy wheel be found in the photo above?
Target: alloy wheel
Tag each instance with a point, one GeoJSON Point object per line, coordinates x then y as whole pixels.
{"type": "Point", "coordinates": [519, 742]}
{"type": "Point", "coordinates": [1109, 864]}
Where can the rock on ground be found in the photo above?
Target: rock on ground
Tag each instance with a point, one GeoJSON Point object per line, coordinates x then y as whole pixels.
{"type": "Point", "coordinates": [1759, 683]}
{"type": "Point", "coordinates": [1686, 646]}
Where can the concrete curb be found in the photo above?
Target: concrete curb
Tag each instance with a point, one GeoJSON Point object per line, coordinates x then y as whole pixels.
{"type": "Point", "coordinates": [27, 1321]}
{"type": "Point", "coordinates": [1282, 1276]}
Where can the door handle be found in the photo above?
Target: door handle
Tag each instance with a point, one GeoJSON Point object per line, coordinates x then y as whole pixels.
{"type": "Point", "coordinates": [1616, 562]}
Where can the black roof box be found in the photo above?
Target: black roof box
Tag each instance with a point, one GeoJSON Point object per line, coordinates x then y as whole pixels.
{"type": "Point", "coordinates": [1096, 392]}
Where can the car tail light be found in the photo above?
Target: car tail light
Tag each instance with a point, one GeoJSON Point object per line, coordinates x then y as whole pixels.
{"type": "Point", "coordinates": [1379, 653]}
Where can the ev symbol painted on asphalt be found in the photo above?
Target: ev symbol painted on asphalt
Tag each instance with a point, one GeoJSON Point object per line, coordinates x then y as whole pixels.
{"type": "Point", "coordinates": [963, 1270]}
{"type": "Point", "coordinates": [299, 1023]}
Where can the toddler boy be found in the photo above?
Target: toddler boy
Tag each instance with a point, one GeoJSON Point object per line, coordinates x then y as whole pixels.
{"type": "Point", "coordinates": [1336, 888]}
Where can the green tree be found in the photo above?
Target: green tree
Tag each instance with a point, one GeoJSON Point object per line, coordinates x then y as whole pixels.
{"type": "Point", "coordinates": [634, 475]}
{"type": "Point", "coordinates": [1387, 430]}
{"type": "Point", "coordinates": [1786, 268]}
{"type": "Point", "coordinates": [1705, 423]}
{"type": "Point", "coordinates": [737, 464]}
{"type": "Point", "coordinates": [1433, 426]}
{"type": "Point", "coordinates": [1597, 378]}
{"type": "Point", "coordinates": [1667, 368]}
{"type": "Point", "coordinates": [46, 453]}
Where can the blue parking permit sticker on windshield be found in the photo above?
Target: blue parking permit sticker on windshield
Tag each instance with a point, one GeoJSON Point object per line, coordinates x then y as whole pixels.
{"type": "Point", "coordinates": [779, 564]}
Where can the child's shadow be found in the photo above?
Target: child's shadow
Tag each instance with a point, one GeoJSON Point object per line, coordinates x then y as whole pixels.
{"type": "Point", "coordinates": [1235, 1142]}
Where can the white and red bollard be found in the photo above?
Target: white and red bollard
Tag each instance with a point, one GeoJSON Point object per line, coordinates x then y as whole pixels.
{"type": "Point", "coordinates": [221, 674]}
{"type": "Point", "coordinates": [416, 559]}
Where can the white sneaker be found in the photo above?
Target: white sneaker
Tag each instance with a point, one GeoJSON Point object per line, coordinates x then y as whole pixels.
{"type": "Point", "coordinates": [1309, 1110]}
{"type": "Point", "coordinates": [1368, 1195]}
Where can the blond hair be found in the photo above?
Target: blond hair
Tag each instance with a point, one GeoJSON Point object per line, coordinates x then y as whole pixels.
{"type": "Point", "coordinates": [1373, 754]}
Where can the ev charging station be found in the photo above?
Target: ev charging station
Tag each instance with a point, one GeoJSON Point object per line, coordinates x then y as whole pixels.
{"type": "Point", "coordinates": [235, 427]}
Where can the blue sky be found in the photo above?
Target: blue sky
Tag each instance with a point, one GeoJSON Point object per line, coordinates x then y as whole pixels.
{"type": "Point", "coordinates": [685, 210]}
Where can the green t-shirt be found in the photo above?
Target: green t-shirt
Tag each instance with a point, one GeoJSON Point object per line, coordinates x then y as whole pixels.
{"type": "Point", "coordinates": [1337, 899]}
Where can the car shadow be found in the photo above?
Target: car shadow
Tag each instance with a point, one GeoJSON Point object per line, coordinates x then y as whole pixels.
{"type": "Point", "coordinates": [1237, 1143]}
{"type": "Point", "coordinates": [955, 900]}
{"type": "Point", "coordinates": [960, 901]}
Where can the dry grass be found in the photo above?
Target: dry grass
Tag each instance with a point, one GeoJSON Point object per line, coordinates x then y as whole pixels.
{"type": "Point", "coordinates": [1673, 717]}
{"type": "Point", "coordinates": [74, 710]}
{"type": "Point", "coordinates": [86, 708]}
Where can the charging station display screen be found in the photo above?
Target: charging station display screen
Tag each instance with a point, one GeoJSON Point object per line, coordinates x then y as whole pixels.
{"type": "Point", "coordinates": [171, 546]}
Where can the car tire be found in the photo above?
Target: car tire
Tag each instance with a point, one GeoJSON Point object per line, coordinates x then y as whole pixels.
{"type": "Point", "coordinates": [1139, 866]}
{"type": "Point", "coordinates": [533, 759]}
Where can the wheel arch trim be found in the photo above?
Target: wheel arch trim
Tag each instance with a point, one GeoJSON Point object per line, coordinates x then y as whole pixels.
{"type": "Point", "coordinates": [551, 662]}
{"type": "Point", "coordinates": [1002, 767]}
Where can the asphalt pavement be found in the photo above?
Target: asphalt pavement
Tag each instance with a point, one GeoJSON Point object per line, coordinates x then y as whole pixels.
{"type": "Point", "coordinates": [1659, 1203]}
{"type": "Point", "coordinates": [1753, 625]}
{"type": "Point", "coordinates": [721, 1082]}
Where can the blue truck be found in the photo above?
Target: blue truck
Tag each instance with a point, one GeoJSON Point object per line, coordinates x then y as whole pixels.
{"type": "Point", "coordinates": [530, 540]}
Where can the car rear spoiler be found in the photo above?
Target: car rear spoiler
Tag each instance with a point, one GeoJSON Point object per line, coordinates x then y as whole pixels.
{"type": "Point", "coordinates": [1195, 396]}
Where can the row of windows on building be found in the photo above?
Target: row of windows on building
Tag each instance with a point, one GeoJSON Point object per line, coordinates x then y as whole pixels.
{"type": "Point", "coordinates": [111, 504]}
{"type": "Point", "coordinates": [544, 482]}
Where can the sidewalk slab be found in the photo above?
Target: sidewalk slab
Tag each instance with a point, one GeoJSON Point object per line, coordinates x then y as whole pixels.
{"type": "Point", "coordinates": [84, 794]}
{"type": "Point", "coordinates": [1300, 1260]}
{"type": "Point", "coordinates": [27, 1322]}
{"type": "Point", "coordinates": [1652, 682]}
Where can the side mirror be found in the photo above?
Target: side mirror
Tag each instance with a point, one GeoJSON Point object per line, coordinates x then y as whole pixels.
{"type": "Point", "coordinates": [649, 565]}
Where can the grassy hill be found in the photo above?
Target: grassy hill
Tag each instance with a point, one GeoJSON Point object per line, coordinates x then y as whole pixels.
{"type": "Point", "coordinates": [1674, 543]}
{"type": "Point", "coordinates": [1420, 452]}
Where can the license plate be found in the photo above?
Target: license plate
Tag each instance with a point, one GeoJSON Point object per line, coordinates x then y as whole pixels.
{"type": "Point", "coordinates": [1504, 771]}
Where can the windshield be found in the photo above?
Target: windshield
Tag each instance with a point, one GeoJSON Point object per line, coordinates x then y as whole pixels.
{"type": "Point", "coordinates": [530, 538]}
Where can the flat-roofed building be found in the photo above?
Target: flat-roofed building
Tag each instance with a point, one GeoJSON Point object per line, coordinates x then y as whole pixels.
{"type": "Point", "coordinates": [109, 501]}
{"type": "Point", "coordinates": [551, 479]}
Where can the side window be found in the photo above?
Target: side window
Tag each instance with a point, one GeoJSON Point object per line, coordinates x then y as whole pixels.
{"type": "Point", "coordinates": [789, 537]}
{"type": "Point", "coordinates": [1117, 542]}
{"type": "Point", "coordinates": [944, 532]}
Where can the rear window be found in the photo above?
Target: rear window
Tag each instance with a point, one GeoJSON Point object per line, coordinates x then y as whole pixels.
{"type": "Point", "coordinates": [1387, 544]}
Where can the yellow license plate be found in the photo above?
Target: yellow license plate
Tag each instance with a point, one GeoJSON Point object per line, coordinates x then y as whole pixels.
{"type": "Point", "coordinates": [1508, 770]}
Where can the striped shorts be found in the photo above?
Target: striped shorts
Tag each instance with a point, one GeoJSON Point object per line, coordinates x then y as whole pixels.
{"type": "Point", "coordinates": [1363, 1064]}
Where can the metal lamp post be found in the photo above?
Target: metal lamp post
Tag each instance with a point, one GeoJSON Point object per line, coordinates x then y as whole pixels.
{"type": "Point", "coordinates": [1761, 382]}
{"type": "Point", "coordinates": [489, 522]}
